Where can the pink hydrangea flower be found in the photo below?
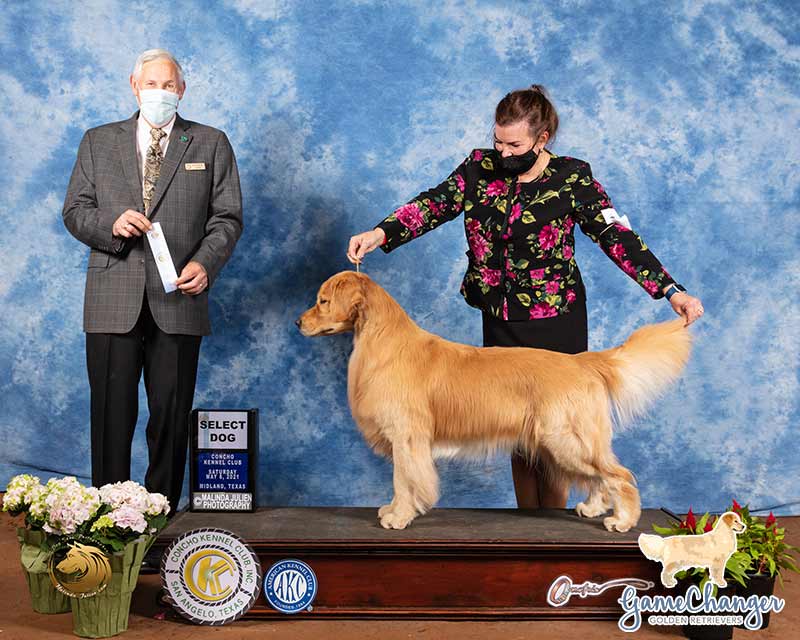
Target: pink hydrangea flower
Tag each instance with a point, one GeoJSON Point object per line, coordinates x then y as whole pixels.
{"type": "Point", "coordinates": [552, 286]}
{"type": "Point", "coordinates": [505, 308]}
{"type": "Point", "coordinates": [477, 155]}
{"type": "Point", "coordinates": [410, 216]}
{"type": "Point", "coordinates": [473, 225]}
{"type": "Point", "coordinates": [128, 517]}
{"type": "Point", "coordinates": [460, 183]}
{"type": "Point", "coordinates": [567, 252]}
{"type": "Point", "coordinates": [570, 296]}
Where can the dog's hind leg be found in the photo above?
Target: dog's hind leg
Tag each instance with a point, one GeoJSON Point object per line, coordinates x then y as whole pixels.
{"type": "Point", "coordinates": [625, 496]}
{"type": "Point", "coordinates": [596, 462]}
{"type": "Point", "coordinates": [597, 503]}
{"type": "Point", "coordinates": [416, 482]}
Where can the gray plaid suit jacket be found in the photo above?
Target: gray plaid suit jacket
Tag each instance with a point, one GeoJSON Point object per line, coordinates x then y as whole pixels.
{"type": "Point", "coordinates": [200, 214]}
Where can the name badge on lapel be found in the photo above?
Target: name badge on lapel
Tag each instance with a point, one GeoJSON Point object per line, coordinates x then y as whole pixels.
{"type": "Point", "coordinates": [195, 166]}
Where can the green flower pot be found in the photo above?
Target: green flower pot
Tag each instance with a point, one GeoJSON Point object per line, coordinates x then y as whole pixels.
{"type": "Point", "coordinates": [106, 614]}
{"type": "Point", "coordinates": [45, 598]}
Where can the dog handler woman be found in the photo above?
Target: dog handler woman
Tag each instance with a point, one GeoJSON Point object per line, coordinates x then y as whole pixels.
{"type": "Point", "coordinates": [520, 203]}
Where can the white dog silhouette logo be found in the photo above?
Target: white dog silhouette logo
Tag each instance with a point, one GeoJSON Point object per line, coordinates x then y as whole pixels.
{"type": "Point", "coordinates": [710, 550]}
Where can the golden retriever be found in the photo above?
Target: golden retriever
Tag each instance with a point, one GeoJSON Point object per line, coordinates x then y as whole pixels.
{"type": "Point", "coordinates": [416, 396]}
{"type": "Point", "coordinates": [710, 550]}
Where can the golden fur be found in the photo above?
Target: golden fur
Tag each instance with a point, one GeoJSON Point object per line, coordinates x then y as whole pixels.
{"type": "Point", "coordinates": [416, 396]}
{"type": "Point", "coordinates": [710, 550]}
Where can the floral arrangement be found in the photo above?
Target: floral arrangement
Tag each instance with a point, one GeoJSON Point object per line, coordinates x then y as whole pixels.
{"type": "Point", "coordinates": [738, 565]}
{"type": "Point", "coordinates": [113, 515]}
{"type": "Point", "coordinates": [760, 549]}
{"type": "Point", "coordinates": [763, 541]}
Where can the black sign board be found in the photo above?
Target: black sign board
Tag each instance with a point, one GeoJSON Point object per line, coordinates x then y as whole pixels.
{"type": "Point", "coordinates": [223, 468]}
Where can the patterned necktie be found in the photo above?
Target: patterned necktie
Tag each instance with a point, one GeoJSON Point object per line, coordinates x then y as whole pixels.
{"type": "Point", "coordinates": [152, 167]}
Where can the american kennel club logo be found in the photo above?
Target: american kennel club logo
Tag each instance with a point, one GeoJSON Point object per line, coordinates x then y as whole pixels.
{"type": "Point", "coordinates": [290, 586]}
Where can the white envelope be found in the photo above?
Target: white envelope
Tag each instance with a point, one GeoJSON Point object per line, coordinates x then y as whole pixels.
{"type": "Point", "coordinates": [612, 217]}
{"type": "Point", "coordinates": [166, 268]}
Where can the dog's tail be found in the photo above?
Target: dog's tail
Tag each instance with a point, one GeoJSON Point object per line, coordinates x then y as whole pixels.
{"type": "Point", "coordinates": [639, 370]}
{"type": "Point", "coordinates": [652, 546]}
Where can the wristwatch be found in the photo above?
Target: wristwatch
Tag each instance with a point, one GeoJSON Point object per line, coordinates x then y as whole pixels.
{"type": "Point", "coordinates": [673, 289]}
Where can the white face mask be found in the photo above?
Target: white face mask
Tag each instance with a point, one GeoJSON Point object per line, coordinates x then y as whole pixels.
{"type": "Point", "coordinates": [158, 106]}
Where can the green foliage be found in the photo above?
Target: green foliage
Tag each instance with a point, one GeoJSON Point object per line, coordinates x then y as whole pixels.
{"type": "Point", "coordinates": [760, 549]}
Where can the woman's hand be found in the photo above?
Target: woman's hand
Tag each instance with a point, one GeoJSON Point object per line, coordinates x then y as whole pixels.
{"type": "Point", "coordinates": [687, 306]}
{"type": "Point", "coordinates": [363, 243]}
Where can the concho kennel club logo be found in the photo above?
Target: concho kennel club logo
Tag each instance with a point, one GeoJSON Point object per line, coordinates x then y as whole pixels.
{"type": "Point", "coordinates": [211, 576]}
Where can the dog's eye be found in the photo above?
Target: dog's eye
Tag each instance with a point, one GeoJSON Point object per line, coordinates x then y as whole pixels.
{"type": "Point", "coordinates": [321, 301]}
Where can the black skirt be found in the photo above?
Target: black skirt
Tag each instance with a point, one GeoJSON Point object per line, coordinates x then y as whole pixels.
{"type": "Point", "coordinates": [566, 333]}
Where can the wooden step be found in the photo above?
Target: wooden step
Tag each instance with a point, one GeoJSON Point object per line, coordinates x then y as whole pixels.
{"type": "Point", "coordinates": [449, 564]}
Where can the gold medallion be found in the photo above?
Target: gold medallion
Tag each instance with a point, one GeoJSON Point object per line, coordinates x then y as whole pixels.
{"type": "Point", "coordinates": [79, 570]}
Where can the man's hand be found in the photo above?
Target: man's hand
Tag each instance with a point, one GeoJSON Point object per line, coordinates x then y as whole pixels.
{"type": "Point", "coordinates": [130, 223]}
{"type": "Point", "coordinates": [193, 278]}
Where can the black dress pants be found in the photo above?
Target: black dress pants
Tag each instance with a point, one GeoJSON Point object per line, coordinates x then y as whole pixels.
{"type": "Point", "coordinates": [115, 363]}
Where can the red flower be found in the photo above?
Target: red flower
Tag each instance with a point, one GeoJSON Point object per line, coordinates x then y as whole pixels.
{"type": "Point", "coordinates": [709, 525]}
{"type": "Point", "coordinates": [770, 520]}
{"type": "Point", "coordinates": [690, 523]}
{"type": "Point", "coordinates": [737, 507]}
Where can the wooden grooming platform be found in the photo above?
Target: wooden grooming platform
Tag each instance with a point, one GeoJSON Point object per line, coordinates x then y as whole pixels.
{"type": "Point", "coordinates": [449, 564]}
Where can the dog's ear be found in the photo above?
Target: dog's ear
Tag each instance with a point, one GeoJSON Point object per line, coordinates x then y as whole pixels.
{"type": "Point", "coordinates": [348, 295]}
{"type": "Point", "coordinates": [357, 299]}
{"type": "Point", "coordinates": [728, 518]}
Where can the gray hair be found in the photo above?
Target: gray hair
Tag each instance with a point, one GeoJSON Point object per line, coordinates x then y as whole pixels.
{"type": "Point", "coordinates": [156, 54]}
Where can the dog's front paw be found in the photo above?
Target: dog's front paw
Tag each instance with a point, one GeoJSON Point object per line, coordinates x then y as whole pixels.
{"type": "Point", "coordinates": [394, 520]}
{"type": "Point", "coordinates": [585, 511]}
{"type": "Point", "coordinates": [616, 524]}
{"type": "Point", "coordinates": [387, 508]}
{"type": "Point", "coordinates": [720, 582]}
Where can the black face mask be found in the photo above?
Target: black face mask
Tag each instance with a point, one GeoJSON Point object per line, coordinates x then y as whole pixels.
{"type": "Point", "coordinates": [516, 165]}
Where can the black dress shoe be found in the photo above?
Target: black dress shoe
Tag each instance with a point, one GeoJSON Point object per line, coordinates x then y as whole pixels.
{"type": "Point", "coordinates": [149, 567]}
{"type": "Point", "coordinates": [151, 563]}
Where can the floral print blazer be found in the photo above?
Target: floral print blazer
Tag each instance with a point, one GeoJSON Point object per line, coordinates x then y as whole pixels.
{"type": "Point", "coordinates": [520, 235]}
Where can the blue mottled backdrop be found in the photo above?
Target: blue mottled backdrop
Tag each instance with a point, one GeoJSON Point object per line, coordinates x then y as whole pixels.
{"type": "Point", "coordinates": [338, 112]}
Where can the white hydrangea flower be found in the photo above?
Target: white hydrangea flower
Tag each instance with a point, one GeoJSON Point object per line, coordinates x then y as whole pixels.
{"type": "Point", "coordinates": [125, 493]}
{"type": "Point", "coordinates": [157, 504]}
{"type": "Point", "coordinates": [128, 517]}
{"type": "Point", "coordinates": [68, 504]}
{"type": "Point", "coordinates": [20, 492]}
